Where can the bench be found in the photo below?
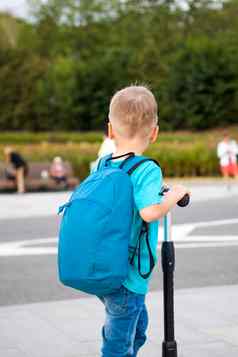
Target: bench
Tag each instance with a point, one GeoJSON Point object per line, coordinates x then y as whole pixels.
{"type": "Point", "coordinates": [34, 180]}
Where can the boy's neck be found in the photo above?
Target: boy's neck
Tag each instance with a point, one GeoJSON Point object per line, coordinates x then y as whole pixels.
{"type": "Point", "coordinates": [124, 149]}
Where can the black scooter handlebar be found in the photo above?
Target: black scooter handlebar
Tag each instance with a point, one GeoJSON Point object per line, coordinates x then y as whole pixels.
{"type": "Point", "coordinates": [183, 202]}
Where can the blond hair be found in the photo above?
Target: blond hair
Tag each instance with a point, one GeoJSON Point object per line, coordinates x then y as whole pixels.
{"type": "Point", "coordinates": [133, 111]}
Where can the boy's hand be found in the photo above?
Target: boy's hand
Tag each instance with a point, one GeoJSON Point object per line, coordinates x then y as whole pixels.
{"type": "Point", "coordinates": [155, 212]}
{"type": "Point", "coordinates": [178, 191]}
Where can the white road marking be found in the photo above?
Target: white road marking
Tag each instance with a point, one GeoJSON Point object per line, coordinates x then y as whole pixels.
{"type": "Point", "coordinates": [181, 236]}
{"type": "Point", "coordinates": [181, 232]}
{"type": "Point", "coordinates": [206, 245]}
{"type": "Point", "coordinates": [209, 239]}
{"type": "Point", "coordinates": [27, 251]}
{"type": "Point", "coordinates": [28, 247]}
{"type": "Point", "coordinates": [217, 222]}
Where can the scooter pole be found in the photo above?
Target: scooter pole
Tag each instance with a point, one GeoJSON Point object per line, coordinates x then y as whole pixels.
{"type": "Point", "coordinates": [169, 346]}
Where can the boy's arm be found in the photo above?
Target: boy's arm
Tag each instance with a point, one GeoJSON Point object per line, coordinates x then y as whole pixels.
{"type": "Point", "coordinates": [157, 211]}
{"type": "Point", "coordinates": [150, 204]}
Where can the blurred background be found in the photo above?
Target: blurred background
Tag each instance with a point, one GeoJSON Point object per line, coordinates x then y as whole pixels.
{"type": "Point", "coordinates": [61, 61]}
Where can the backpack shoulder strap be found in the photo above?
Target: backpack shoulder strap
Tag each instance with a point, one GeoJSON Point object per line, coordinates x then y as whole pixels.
{"type": "Point", "coordinates": [105, 161]}
{"type": "Point", "coordinates": [144, 233]}
{"type": "Point", "coordinates": [130, 166]}
{"type": "Point", "coordinates": [134, 167]}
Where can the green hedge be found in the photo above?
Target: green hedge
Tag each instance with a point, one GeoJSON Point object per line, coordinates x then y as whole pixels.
{"type": "Point", "coordinates": [195, 161]}
{"type": "Point", "coordinates": [179, 154]}
{"type": "Point", "coordinates": [181, 163]}
{"type": "Point", "coordinates": [176, 137]}
{"type": "Point", "coordinates": [24, 137]}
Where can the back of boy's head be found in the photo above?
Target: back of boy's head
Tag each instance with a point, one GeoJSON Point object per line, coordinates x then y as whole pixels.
{"type": "Point", "coordinates": [133, 112]}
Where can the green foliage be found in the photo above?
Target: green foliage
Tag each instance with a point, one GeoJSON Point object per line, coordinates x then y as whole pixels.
{"type": "Point", "coordinates": [179, 154]}
{"type": "Point", "coordinates": [175, 160]}
{"type": "Point", "coordinates": [203, 86]}
{"type": "Point", "coordinates": [59, 71]}
{"type": "Point", "coordinates": [26, 138]}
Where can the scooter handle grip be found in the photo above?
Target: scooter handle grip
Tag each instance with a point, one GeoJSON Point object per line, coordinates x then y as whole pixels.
{"type": "Point", "coordinates": [184, 201]}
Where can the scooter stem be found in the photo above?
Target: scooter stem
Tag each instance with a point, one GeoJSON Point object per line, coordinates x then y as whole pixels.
{"type": "Point", "coordinates": [169, 347]}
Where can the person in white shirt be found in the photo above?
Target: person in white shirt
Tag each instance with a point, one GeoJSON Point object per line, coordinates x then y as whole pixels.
{"type": "Point", "coordinates": [107, 147]}
{"type": "Point", "coordinates": [227, 151]}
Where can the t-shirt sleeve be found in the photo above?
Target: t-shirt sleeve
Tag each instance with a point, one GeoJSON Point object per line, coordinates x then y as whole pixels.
{"type": "Point", "coordinates": [148, 186]}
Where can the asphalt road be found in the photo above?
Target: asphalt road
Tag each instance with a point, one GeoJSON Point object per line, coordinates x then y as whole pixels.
{"type": "Point", "coordinates": [33, 278]}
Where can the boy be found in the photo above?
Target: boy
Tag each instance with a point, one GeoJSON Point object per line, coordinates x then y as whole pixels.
{"type": "Point", "coordinates": [133, 124]}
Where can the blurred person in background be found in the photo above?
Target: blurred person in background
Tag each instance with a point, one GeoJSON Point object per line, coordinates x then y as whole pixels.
{"type": "Point", "coordinates": [17, 168]}
{"type": "Point", "coordinates": [227, 151]}
{"type": "Point", "coordinates": [58, 171]}
{"type": "Point", "coordinates": [107, 147]}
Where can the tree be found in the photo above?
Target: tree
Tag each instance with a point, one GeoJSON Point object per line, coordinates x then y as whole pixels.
{"type": "Point", "coordinates": [60, 70]}
{"type": "Point", "coordinates": [203, 85]}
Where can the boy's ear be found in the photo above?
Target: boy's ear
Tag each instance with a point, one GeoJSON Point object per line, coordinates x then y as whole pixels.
{"type": "Point", "coordinates": [110, 131]}
{"type": "Point", "coordinates": [154, 134]}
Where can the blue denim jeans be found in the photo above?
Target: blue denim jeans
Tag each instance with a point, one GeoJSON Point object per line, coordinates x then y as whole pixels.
{"type": "Point", "coordinates": [126, 323]}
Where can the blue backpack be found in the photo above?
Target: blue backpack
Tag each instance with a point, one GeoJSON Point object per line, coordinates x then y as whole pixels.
{"type": "Point", "coordinates": [93, 248]}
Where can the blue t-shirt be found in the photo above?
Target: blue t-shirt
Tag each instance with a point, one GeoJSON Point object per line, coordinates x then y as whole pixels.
{"type": "Point", "coordinates": [147, 183]}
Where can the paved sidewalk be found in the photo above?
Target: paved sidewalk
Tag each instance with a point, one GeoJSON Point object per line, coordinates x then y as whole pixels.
{"type": "Point", "coordinates": [206, 326]}
{"type": "Point", "coordinates": [45, 204]}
